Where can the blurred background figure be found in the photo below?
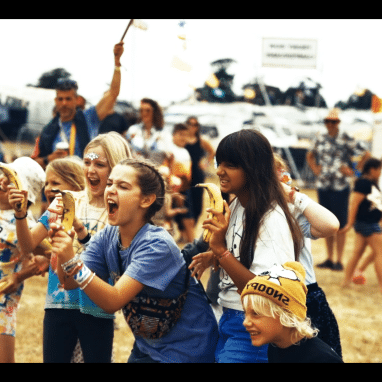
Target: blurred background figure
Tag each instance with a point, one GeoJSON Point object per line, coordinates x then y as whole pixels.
{"type": "Point", "coordinates": [202, 154]}
{"type": "Point", "coordinates": [331, 161]}
{"type": "Point", "coordinates": [145, 137]}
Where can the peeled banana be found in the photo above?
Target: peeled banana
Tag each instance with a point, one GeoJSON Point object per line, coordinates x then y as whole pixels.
{"type": "Point", "coordinates": [69, 210]}
{"type": "Point", "coordinates": [216, 202]}
{"type": "Point", "coordinates": [13, 178]}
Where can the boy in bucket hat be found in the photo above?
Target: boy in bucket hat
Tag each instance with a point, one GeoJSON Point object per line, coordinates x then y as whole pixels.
{"type": "Point", "coordinates": [275, 312]}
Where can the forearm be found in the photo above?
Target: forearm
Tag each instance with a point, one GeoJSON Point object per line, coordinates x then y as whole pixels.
{"type": "Point", "coordinates": [323, 222]}
{"type": "Point", "coordinates": [106, 104]}
{"type": "Point", "coordinates": [25, 236]}
{"type": "Point", "coordinates": [354, 202]}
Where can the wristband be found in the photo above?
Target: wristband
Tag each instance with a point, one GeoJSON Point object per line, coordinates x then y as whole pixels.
{"type": "Point", "coordinates": [82, 275]}
{"type": "Point", "coordinates": [21, 217]}
{"type": "Point", "coordinates": [224, 255]}
{"type": "Point", "coordinates": [117, 68]}
{"type": "Point", "coordinates": [301, 201]}
{"type": "Point", "coordinates": [71, 264]}
{"type": "Point", "coordinates": [90, 280]}
{"type": "Point", "coordinates": [85, 239]}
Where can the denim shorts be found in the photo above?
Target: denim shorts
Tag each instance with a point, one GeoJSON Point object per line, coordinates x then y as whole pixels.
{"type": "Point", "coordinates": [367, 229]}
{"type": "Point", "coordinates": [235, 345]}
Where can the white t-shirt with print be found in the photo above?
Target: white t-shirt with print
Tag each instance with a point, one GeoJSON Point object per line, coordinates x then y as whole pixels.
{"type": "Point", "coordinates": [273, 246]}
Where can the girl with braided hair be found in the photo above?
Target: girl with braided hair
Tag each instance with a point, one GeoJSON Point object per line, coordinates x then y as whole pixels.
{"type": "Point", "coordinates": [145, 265]}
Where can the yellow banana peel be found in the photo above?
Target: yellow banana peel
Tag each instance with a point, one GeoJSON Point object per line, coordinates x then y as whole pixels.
{"type": "Point", "coordinates": [216, 202]}
{"type": "Point", "coordinates": [13, 178]}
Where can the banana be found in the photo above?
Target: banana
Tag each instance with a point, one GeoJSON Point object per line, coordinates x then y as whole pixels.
{"type": "Point", "coordinates": [216, 202]}
{"type": "Point", "coordinates": [13, 178]}
{"type": "Point", "coordinates": [69, 210]}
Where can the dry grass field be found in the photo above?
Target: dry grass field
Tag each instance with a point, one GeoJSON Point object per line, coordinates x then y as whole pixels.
{"type": "Point", "coordinates": [358, 311]}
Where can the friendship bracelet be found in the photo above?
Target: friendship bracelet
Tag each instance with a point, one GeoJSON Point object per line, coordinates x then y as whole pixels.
{"type": "Point", "coordinates": [22, 217]}
{"type": "Point", "coordinates": [82, 275]}
{"type": "Point", "coordinates": [68, 266]}
{"type": "Point", "coordinates": [225, 254]}
{"type": "Point", "coordinates": [90, 280]}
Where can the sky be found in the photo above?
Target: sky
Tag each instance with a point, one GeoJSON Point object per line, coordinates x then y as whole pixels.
{"type": "Point", "coordinates": [348, 54]}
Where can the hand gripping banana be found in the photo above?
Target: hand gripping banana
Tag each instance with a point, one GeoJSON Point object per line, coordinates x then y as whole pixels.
{"type": "Point", "coordinates": [13, 178]}
{"type": "Point", "coordinates": [216, 202]}
{"type": "Point", "coordinates": [64, 208]}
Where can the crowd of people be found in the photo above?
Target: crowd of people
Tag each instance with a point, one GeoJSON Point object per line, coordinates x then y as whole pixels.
{"type": "Point", "coordinates": [135, 207]}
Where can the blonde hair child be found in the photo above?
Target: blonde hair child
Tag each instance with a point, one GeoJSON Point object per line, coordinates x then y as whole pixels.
{"type": "Point", "coordinates": [275, 313]}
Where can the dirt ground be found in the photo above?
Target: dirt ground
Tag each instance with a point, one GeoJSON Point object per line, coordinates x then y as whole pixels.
{"type": "Point", "coordinates": [358, 311]}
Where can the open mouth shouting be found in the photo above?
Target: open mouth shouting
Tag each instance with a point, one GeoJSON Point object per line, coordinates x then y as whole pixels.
{"type": "Point", "coordinates": [112, 207]}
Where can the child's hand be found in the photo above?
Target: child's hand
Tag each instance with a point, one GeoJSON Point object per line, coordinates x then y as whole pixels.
{"type": "Point", "coordinates": [42, 264]}
{"type": "Point", "coordinates": [200, 263]}
{"type": "Point", "coordinates": [11, 284]}
{"type": "Point", "coordinates": [218, 225]}
{"type": "Point", "coordinates": [16, 197]}
{"type": "Point", "coordinates": [62, 242]}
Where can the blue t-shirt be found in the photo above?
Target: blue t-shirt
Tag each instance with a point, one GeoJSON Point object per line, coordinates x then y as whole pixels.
{"type": "Point", "coordinates": [154, 260]}
{"type": "Point", "coordinates": [92, 122]}
{"type": "Point", "coordinates": [59, 298]}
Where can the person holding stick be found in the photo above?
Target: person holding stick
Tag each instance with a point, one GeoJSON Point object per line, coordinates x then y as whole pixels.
{"type": "Point", "coordinates": [72, 126]}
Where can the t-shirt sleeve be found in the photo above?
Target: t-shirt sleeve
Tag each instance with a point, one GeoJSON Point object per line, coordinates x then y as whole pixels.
{"type": "Point", "coordinates": [44, 219]}
{"type": "Point", "coordinates": [94, 257]}
{"type": "Point", "coordinates": [362, 186]}
{"type": "Point", "coordinates": [155, 263]}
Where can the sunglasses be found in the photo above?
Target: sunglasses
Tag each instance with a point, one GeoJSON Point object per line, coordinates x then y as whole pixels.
{"type": "Point", "coordinates": [332, 121]}
{"type": "Point", "coordinates": [145, 110]}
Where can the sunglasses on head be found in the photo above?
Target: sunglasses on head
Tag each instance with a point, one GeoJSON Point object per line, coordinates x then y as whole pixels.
{"type": "Point", "coordinates": [332, 121]}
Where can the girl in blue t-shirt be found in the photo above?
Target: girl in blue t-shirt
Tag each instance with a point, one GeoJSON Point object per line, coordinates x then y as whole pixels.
{"type": "Point", "coordinates": [144, 261]}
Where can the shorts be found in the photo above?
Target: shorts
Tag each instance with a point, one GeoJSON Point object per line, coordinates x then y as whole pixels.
{"type": "Point", "coordinates": [235, 345]}
{"type": "Point", "coordinates": [336, 202]}
{"type": "Point", "coordinates": [367, 229]}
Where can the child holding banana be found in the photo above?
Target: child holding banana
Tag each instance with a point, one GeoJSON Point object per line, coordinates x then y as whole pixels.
{"type": "Point", "coordinates": [15, 264]}
{"type": "Point", "coordinates": [145, 265]}
{"type": "Point", "coordinates": [255, 231]}
{"type": "Point", "coordinates": [70, 315]}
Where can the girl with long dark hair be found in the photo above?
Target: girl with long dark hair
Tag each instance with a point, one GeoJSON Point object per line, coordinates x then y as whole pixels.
{"type": "Point", "coordinates": [256, 231]}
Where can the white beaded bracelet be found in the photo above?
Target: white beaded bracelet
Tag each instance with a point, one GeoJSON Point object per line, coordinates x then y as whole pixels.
{"type": "Point", "coordinates": [301, 201]}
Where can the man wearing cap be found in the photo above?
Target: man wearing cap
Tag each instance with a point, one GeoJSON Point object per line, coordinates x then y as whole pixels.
{"type": "Point", "coordinates": [331, 161]}
{"type": "Point", "coordinates": [71, 129]}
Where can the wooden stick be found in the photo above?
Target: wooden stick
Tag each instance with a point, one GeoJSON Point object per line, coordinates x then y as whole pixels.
{"type": "Point", "coordinates": [127, 28]}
